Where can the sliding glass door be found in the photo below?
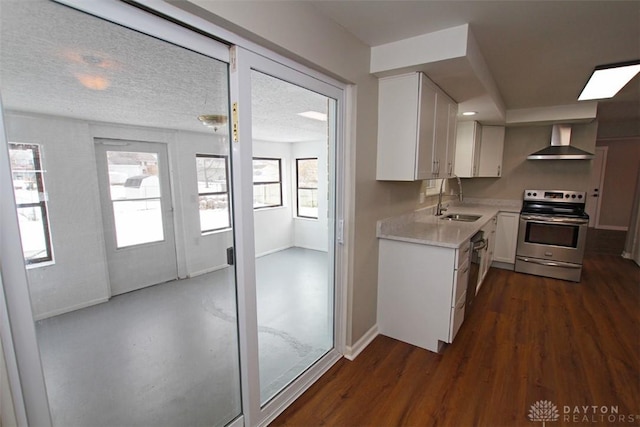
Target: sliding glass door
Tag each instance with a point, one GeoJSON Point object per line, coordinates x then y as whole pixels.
{"type": "Point", "coordinates": [112, 137]}
{"type": "Point", "coordinates": [175, 219]}
{"type": "Point", "coordinates": [287, 157]}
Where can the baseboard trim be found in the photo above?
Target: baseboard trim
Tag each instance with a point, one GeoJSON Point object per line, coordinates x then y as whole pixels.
{"type": "Point", "coordinates": [612, 227]}
{"type": "Point", "coordinates": [69, 309]}
{"type": "Point", "coordinates": [206, 270]}
{"type": "Point", "coordinates": [273, 251]}
{"type": "Point", "coordinates": [351, 352]}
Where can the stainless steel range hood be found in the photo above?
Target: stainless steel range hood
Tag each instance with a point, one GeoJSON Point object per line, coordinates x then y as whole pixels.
{"type": "Point", "coordinates": [560, 149]}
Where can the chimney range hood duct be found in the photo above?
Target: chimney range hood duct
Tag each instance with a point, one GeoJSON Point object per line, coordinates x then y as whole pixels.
{"type": "Point", "coordinates": [560, 148]}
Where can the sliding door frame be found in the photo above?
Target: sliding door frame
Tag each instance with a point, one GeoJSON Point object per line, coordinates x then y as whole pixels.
{"type": "Point", "coordinates": [243, 62]}
{"type": "Point", "coordinates": [20, 340]}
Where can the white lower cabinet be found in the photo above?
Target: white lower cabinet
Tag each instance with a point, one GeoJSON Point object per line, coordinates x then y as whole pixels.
{"type": "Point", "coordinates": [506, 237]}
{"type": "Point", "coordinates": [421, 292]}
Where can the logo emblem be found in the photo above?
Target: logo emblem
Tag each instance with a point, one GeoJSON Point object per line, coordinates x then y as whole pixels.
{"type": "Point", "coordinates": [544, 411]}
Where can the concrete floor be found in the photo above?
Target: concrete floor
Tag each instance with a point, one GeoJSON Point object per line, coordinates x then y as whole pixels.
{"type": "Point", "coordinates": [167, 355]}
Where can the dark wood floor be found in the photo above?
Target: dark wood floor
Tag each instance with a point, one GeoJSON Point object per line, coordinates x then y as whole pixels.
{"type": "Point", "coordinates": [526, 339]}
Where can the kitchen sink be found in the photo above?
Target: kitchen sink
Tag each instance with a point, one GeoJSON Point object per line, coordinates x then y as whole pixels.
{"type": "Point", "coordinates": [461, 217]}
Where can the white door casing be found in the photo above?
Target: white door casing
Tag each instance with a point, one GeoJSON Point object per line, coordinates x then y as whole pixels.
{"type": "Point", "coordinates": [150, 257]}
{"type": "Point", "coordinates": [596, 181]}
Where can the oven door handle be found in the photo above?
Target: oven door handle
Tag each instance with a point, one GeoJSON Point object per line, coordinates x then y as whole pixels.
{"type": "Point", "coordinates": [555, 220]}
{"type": "Point", "coordinates": [548, 263]}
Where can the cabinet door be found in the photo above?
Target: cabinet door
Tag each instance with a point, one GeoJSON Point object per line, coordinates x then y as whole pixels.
{"type": "Point", "coordinates": [491, 151]}
{"type": "Point", "coordinates": [440, 138]}
{"type": "Point", "coordinates": [397, 127]}
{"type": "Point", "coordinates": [467, 150]}
{"type": "Point", "coordinates": [425, 162]}
{"type": "Point", "coordinates": [506, 237]}
{"type": "Point", "coordinates": [451, 138]}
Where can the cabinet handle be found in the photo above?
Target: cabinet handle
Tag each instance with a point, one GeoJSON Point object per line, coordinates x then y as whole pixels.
{"type": "Point", "coordinates": [450, 168]}
{"type": "Point", "coordinates": [498, 170]}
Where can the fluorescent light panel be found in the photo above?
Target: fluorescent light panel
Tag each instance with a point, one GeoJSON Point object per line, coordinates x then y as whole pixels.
{"type": "Point", "coordinates": [607, 80]}
{"type": "Point", "coordinates": [314, 115]}
{"type": "Point", "coordinates": [469, 113]}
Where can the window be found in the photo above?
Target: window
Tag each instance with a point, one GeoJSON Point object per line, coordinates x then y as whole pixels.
{"type": "Point", "coordinates": [307, 187]}
{"type": "Point", "coordinates": [267, 183]}
{"type": "Point", "coordinates": [28, 186]}
{"type": "Point", "coordinates": [213, 192]}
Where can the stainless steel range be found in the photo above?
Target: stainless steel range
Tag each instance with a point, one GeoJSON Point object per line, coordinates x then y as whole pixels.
{"type": "Point", "coordinates": [552, 234]}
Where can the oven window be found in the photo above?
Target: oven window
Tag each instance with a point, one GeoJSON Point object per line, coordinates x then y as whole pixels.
{"type": "Point", "coordinates": [552, 234]}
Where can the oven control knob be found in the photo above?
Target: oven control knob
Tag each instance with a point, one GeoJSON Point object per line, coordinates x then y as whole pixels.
{"type": "Point", "coordinates": [529, 193]}
{"type": "Point", "coordinates": [573, 196]}
{"type": "Point", "coordinates": [579, 196]}
{"type": "Point", "coordinates": [535, 194]}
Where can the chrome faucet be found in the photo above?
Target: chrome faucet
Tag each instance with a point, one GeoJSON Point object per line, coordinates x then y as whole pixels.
{"type": "Point", "coordinates": [460, 197]}
{"type": "Point", "coordinates": [439, 208]}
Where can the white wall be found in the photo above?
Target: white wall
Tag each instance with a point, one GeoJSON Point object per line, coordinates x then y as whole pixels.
{"type": "Point", "coordinates": [274, 226]}
{"type": "Point", "coordinates": [312, 233]}
{"type": "Point", "coordinates": [79, 275]}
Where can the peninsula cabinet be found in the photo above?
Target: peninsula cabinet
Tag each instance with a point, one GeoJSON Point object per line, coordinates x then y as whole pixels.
{"type": "Point", "coordinates": [479, 150]}
{"type": "Point", "coordinates": [416, 129]}
{"type": "Point", "coordinates": [421, 292]}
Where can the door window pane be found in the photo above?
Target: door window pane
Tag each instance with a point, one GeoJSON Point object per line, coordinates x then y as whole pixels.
{"type": "Point", "coordinates": [134, 187]}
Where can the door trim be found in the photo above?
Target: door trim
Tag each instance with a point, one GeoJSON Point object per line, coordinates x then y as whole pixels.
{"type": "Point", "coordinates": [605, 151]}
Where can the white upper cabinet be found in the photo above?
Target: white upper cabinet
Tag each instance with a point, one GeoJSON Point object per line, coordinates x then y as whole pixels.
{"type": "Point", "coordinates": [479, 150]}
{"type": "Point", "coordinates": [467, 149]}
{"type": "Point", "coordinates": [416, 129]}
{"type": "Point", "coordinates": [491, 148]}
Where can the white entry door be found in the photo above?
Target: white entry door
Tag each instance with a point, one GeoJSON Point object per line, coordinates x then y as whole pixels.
{"type": "Point", "coordinates": [137, 213]}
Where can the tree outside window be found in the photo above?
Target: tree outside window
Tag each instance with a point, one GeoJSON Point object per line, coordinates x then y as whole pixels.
{"type": "Point", "coordinates": [307, 187]}
{"type": "Point", "coordinates": [28, 187]}
{"type": "Point", "coordinates": [267, 183]}
{"type": "Point", "coordinates": [213, 192]}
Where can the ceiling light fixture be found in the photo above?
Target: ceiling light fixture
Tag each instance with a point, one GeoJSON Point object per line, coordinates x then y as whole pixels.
{"type": "Point", "coordinates": [607, 80]}
{"type": "Point", "coordinates": [469, 113]}
{"type": "Point", "coordinates": [93, 82]}
{"type": "Point", "coordinates": [314, 115]}
{"type": "Point", "coordinates": [213, 120]}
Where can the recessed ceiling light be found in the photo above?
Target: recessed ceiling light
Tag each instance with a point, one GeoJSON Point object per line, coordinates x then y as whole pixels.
{"type": "Point", "coordinates": [314, 115]}
{"type": "Point", "coordinates": [469, 113]}
{"type": "Point", "coordinates": [607, 80]}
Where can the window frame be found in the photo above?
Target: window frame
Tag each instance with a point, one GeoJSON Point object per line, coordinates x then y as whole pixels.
{"type": "Point", "coordinates": [298, 188]}
{"type": "Point", "coordinates": [279, 182]}
{"type": "Point", "coordinates": [215, 193]}
{"type": "Point", "coordinates": [42, 200]}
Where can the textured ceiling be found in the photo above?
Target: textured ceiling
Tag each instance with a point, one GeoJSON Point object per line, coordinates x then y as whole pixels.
{"type": "Point", "coordinates": [49, 54]}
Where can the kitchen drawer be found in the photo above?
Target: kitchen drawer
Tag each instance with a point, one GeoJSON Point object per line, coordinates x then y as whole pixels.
{"type": "Point", "coordinates": [457, 316]}
{"type": "Point", "coordinates": [463, 253]}
{"type": "Point", "coordinates": [461, 280]}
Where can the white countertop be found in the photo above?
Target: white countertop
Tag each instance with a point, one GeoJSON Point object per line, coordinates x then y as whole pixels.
{"type": "Point", "coordinates": [423, 227]}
